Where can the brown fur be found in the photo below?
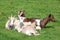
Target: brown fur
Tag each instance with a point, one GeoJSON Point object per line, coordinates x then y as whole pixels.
{"type": "Point", "coordinates": [29, 20]}
{"type": "Point", "coordinates": [44, 21]}
{"type": "Point", "coordinates": [22, 13]}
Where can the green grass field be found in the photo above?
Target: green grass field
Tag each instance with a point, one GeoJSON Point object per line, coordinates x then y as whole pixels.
{"type": "Point", "coordinates": [33, 8]}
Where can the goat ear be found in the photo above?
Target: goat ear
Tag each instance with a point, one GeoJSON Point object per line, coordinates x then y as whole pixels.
{"type": "Point", "coordinates": [49, 15]}
{"type": "Point", "coordinates": [21, 13]}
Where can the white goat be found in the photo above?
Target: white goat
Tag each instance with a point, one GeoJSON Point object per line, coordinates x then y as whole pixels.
{"type": "Point", "coordinates": [29, 28]}
{"type": "Point", "coordinates": [10, 23]}
{"type": "Point", "coordinates": [13, 23]}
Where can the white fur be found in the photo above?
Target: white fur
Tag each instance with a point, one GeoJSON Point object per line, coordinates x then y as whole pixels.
{"type": "Point", "coordinates": [16, 24]}
{"type": "Point", "coordinates": [38, 27]}
{"type": "Point", "coordinates": [9, 22]}
{"type": "Point", "coordinates": [38, 24]}
{"type": "Point", "coordinates": [26, 23]}
{"type": "Point", "coordinates": [7, 25]}
{"type": "Point", "coordinates": [21, 18]}
{"type": "Point", "coordinates": [28, 28]}
{"type": "Point", "coordinates": [38, 21]}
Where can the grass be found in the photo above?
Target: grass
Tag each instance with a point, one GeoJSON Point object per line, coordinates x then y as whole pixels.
{"type": "Point", "coordinates": [33, 8]}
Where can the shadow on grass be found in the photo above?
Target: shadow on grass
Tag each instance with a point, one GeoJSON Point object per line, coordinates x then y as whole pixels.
{"type": "Point", "coordinates": [49, 27]}
{"type": "Point", "coordinates": [57, 21]}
